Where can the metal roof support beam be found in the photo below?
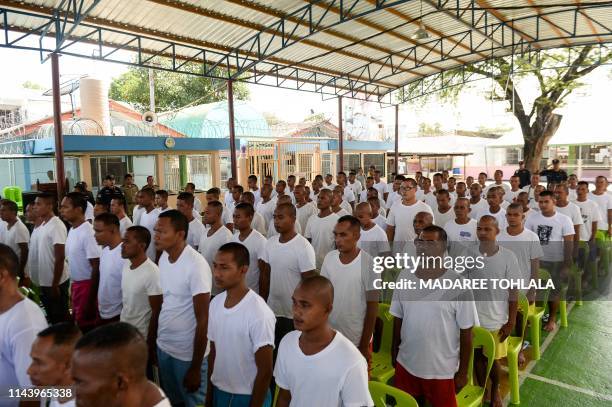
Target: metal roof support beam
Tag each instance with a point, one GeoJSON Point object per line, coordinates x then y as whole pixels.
{"type": "Point", "coordinates": [502, 18]}
{"type": "Point", "coordinates": [287, 31]}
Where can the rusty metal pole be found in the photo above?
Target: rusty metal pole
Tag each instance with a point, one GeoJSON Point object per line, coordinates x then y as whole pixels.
{"type": "Point", "coordinates": [60, 176]}
{"type": "Point", "coordinates": [232, 130]}
{"type": "Point", "coordinates": [340, 137]}
{"type": "Point", "coordinates": [396, 140]}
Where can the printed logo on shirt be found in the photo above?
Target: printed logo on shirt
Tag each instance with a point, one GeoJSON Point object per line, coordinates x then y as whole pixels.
{"type": "Point", "coordinates": [544, 233]}
{"type": "Point", "coordinates": [465, 233]}
{"type": "Point", "coordinates": [585, 218]}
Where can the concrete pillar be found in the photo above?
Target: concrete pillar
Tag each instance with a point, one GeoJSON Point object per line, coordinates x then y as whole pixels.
{"type": "Point", "coordinates": [160, 168]}
{"type": "Point", "coordinates": [85, 169]}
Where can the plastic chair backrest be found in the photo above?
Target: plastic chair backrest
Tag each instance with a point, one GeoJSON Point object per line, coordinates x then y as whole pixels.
{"type": "Point", "coordinates": [481, 338]}
{"type": "Point", "coordinates": [387, 330]}
{"type": "Point", "coordinates": [7, 193]}
{"type": "Point", "coordinates": [523, 308]}
{"type": "Point", "coordinates": [379, 392]}
{"type": "Point", "coordinates": [543, 275]}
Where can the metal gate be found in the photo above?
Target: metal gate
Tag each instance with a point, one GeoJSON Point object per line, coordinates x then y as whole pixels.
{"type": "Point", "coordinates": [280, 159]}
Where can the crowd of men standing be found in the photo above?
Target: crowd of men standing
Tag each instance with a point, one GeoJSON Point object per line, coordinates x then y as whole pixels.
{"type": "Point", "coordinates": [270, 286]}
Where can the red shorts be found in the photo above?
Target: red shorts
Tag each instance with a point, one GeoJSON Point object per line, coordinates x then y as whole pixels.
{"type": "Point", "coordinates": [438, 392]}
{"type": "Point", "coordinates": [79, 293]}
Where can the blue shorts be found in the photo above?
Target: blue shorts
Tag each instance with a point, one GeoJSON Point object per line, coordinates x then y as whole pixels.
{"type": "Point", "coordinates": [171, 374]}
{"type": "Point", "coordinates": [224, 399]}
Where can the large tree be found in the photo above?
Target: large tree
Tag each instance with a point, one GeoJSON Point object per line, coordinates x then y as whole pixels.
{"type": "Point", "coordinates": [558, 72]}
{"type": "Point", "coordinates": [172, 90]}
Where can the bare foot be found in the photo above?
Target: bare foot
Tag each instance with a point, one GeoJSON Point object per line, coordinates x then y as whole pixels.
{"type": "Point", "coordinates": [521, 359]}
{"type": "Point", "coordinates": [550, 326]}
{"type": "Point", "coordinates": [497, 401]}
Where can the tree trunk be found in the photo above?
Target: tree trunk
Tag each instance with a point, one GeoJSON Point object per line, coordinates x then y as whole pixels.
{"type": "Point", "coordinates": [537, 140]}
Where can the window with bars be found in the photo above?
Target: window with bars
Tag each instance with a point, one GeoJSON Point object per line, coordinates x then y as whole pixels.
{"type": "Point", "coordinates": [199, 171]}
{"type": "Point", "coordinates": [172, 173]}
{"type": "Point", "coordinates": [351, 162]}
{"type": "Point", "coordinates": [325, 164]}
{"type": "Point", "coordinates": [377, 160]}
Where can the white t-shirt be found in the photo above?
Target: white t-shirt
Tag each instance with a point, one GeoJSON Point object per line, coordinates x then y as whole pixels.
{"type": "Point", "coordinates": [19, 326]}
{"type": "Point", "coordinates": [356, 187]}
{"type": "Point", "coordinates": [492, 305]}
{"type": "Point", "coordinates": [572, 194]}
{"type": "Point", "coordinates": [197, 205]}
{"type": "Point", "coordinates": [209, 245]}
{"type": "Point", "coordinates": [430, 199]}
{"type": "Point", "coordinates": [526, 246]}
{"type": "Point", "coordinates": [381, 187]}
{"type": "Point", "coordinates": [550, 230]}
{"type": "Point", "coordinates": [320, 231]}
{"type": "Point", "coordinates": [347, 207]}
{"type": "Point", "coordinates": [259, 223]}
{"type": "Point", "coordinates": [510, 195]}
{"type": "Point", "coordinates": [137, 286]}
{"type": "Point", "coordinates": [380, 220]}
{"type": "Point", "coordinates": [180, 281]}
{"type": "Point", "coordinates": [572, 211]}
{"type": "Point", "coordinates": [238, 333]}
{"type": "Point", "coordinates": [348, 195]}
{"type": "Point", "coordinates": [589, 212]}
{"type": "Point", "coordinates": [336, 376]}
{"type": "Point", "coordinates": [42, 251]}
{"type": "Point", "coordinates": [287, 263]}
{"type": "Point", "coordinates": [351, 282]}
{"type": "Point", "coordinates": [440, 218]}
{"type": "Point", "coordinates": [124, 224]}
{"type": "Point", "coordinates": [604, 202]}
{"type": "Point", "coordinates": [195, 233]}
{"type": "Point", "coordinates": [401, 216]}
{"type": "Point", "coordinates": [257, 195]}
{"type": "Point", "coordinates": [89, 212]}
{"type": "Point", "coordinates": [505, 187]}
{"type": "Point", "coordinates": [12, 237]}
{"type": "Point", "coordinates": [266, 209]}
{"type": "Point", "coordinates": [459, 236]}
{"type": "Point", "coordinates": [109, 289]}
{"type": "Point", "coordinates": [228, 199]}
{"type": "Point", "coordinates": [81, 246]}
{"type": "Point", "coordinates": [148, 220]}
{"type": "Point", "coordinates": [255, 243]}
{"type": "Point", "coordinates": [304, 213]}
{"type": "Point", "coordinates": [392, 198]}
{"type": "Point", "coordinates": [374, 241]}
{"type": "Point", "coordinates": [431, 350]}
{"type": "Point", "coordinates": [477, 207]}
{"type": "Point", "coordinates": [342, 212]}
{"type": "Point", "coordinates": [137, 213]}
{"type": "Point", "coordinates": [500, 216]}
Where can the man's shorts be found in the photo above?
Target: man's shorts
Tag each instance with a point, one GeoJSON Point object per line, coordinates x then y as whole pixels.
{"type": "Point", "coordinates": [438, 392]}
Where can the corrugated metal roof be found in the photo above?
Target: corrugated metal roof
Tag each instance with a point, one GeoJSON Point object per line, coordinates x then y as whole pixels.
{"type": "Point", "coordinates": [375, 48]}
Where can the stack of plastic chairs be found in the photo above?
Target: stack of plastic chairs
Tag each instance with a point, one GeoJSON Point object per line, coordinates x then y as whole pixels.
{"type": "Point", "coordinates": [14, 194]}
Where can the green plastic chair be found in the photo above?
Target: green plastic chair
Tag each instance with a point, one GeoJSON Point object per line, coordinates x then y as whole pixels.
{"type": "Point", "coordinates": [535, 317]}
{"type": "Point", "coordinates": [14, 194]}
{"type": "Point", "coordinates": [515, 343]}
{"type": "Point", "coordinates": [604, 245]}
{"type": "Point", "coordinates": [472, 395]}
{"type": "Point", "coordinates": [381, 369]}
{"type": "Point", "coordinates": [380, 392]}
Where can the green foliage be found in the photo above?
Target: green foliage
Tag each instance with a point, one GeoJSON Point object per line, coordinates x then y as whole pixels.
{"type": "Point", "coordinates": [172, 90]}
{"type": "Point", "coordinates": [32, 85]}
{"type": "Point", "coordinates": [426, 129]}
{"type": "Point", "coordinates": [315, 118]}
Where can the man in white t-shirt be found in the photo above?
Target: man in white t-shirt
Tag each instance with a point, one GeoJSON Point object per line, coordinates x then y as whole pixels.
{"type": "Point", "coordinates": [603, 198]}
{"type": "Point", "coordinates": [148, 218]}
{"type": "Point", "coordinates": [393, 188]}
{"type": "Point", "coordinates": [589, 212]}
{"type": "Point", "coordinates": [15, 235]}
{"type": "Point", "coordinates": [236, 192]}
{"type": "Point", "coordinates": [496, 307]}
{"type": "Point", "coordinates": [288, 258]}
{"type": "Point", "coordinates": [51, 361]}
{"type": "Point", "coordinates": [556, 234]}
{"type": "Point", "coordinates": [432, 331]}
{"type": "Point", "coordinates": [258, 223]}
{"type": "Point", "coordinates": [498, 176]}
{"type": "Point", "coordinates": [348, 197]}
{"type": "Point", "coordinates": [47, 261]}
{"type": "Point", "coordinates": [461, 231]}
{"type": "Point", "coordinates": [161, 200]}
{"type": "Point", "coordinates": [530, 189]}
{"type": "Point", "coordinates": [215, 235]}
{"type": "Point", "coordinates": [523, 199]}
{"type": "Point", "coordinates": [572, 186]}
{"type": "Point", "coordinates": [184, 204]}
{"type": "Point", "coordinates": [338, 206]}
{"type": "Point", "coordinates": [378, 214]}
{"type": "Point", "coordinates": [254, 241]}
{"type": "Point", "coordinates": [267, 204]}
{"type": "Point", "coordinates": [254, 188]}
{"type": "Point", "coordinates": [138, 209]}
{"type": "Point", "coordinates": [355, 184]}
{"type": "Point", "coordinates": [320, 228]}
{"type": "Point", "coordinates": [494, 208]}
{"type": "Point", "coordinates": [461, 190]}
{"type": "Point", "coordinates": [241, 333]}
{"type": "Point", "coordinates": [572, 211]}
{"type": "Point", "coordinates": [526, 247]}
{"type": "Point", "coordinates": [317, 366]}
{"type": "Point", "coordinates": [442, 211]}
{"type": "Point", "coordinates": [428, 195]}
{"type": "Point", "coordinates": [400, 220]}
{"type": "Point", "coordinates": [366, 190]}
{"type": "Point", "coordinates": [373, 238]}
{"type": "Point", "coordinates": [304, 208]}
{"type": "Point", "coordinates": [140, 287]}
{"type": "Point", "coordinates": [186, 281]}
{"type": "Point", "coordinates": [83, 255]}
{"type": "Point", "coordinates": [328, 182]}
{"type": "Point", "coordinates": [228, 198]}
{"type": "Point", "coordinates": [514, 189]}
{"type": "Point", "coordinates": [477, 203]}
{"type": "Point", "coordinates": [109, 365]}
{"type": "Point", "coordinates": [20, 320]}
{"type": "Point", "coordinates": [117, 208]}
{"type": "Point", "coordinates": [197, 204]}
{"type": "Point", "coordinates": [380, 185]}
{"type": "Point", "coordinates": [350, 271]}
{"type": "Point", "coordinates": [106, 228]}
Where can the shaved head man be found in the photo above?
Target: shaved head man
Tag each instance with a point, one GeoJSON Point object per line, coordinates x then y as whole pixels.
{"type": "Point", "coordinates": [109, 369]}
{"type": "Point", "coordinates": [337, 378]}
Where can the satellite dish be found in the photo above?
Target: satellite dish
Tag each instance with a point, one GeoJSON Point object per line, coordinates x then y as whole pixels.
{"type": "Point", "coordinates": [149, 118]}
